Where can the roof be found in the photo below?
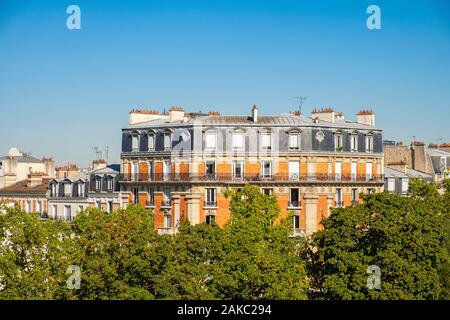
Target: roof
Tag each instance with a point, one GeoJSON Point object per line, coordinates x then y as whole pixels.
{"type": "Point", "coordinates": [22, 187]}
{"type": "Point", "coordinates": [285, 119]}
{"type": "Point", "coordinates": [392, 173]}
{"type": "Point", "coordinates": [26, 159]}
{"type": "Point", "coordinates": [438, 152]}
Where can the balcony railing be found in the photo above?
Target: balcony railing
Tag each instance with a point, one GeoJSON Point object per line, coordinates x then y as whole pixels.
{"type": "Point", "coordinates": [229, 177]}
{"type": "Point", "coordinates": [165, 203]}
{"type": "Point", "coordinates": [293, 204]}
{"type": "Point", "coordinates": [210, 204]}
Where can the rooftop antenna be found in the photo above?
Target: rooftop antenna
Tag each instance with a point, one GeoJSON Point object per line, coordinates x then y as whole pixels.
{"type": "Point", "coordinates": [438, 141]}
{"type": "Point", "coordinates": [107, 153]}
{"type": "Point", "coordinates": [98, 153]}
{"type": "Point", "coordinates": [300, 101]}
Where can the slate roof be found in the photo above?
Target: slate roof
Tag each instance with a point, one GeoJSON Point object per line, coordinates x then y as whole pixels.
{"type": "Point", "coordinates": [22, 187]}
{"type": "Point", "coordinates": [27, 159]}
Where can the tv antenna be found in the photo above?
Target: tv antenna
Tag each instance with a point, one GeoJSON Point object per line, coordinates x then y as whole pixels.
{"type": "Point", "coordinates": [300, 101]}
{"type": "Point", "coordinates": [98, 153]}
{"type": "Point", "coordinates": [107, 153]}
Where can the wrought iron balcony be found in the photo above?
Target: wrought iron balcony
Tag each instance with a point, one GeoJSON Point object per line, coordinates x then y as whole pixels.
{"type": "Point", "coordinates": [294, 204]}
{"type": "Point", "coordinates": [229, 177]}
{"type": "Point", "coordinates": [210, 204]}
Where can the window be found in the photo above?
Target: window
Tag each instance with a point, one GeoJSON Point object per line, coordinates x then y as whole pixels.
{"type": "Point", "coordinates": [354, 142]}
{"type": "Point", "coordinates": [267, 191]}
{"type": "Point", "coordinates": [110, 206]}
{"type": "Point", "coordinates": [294, 140]}
{"type": "Point", "coordinates": [294, 198]}
{"type": "Point", "coordinates": [80, 208]}
{"type": "Point", "coordinates": [134, 171]}
{"type": "Point", "coordinates": [166, 169]}
{"type": "Point", "coordinates": [210, 140]}
{"type": "Point", "coordinates": [167, 220]}
{"type": "Point", "coordinates": [338, 170]}
{"type": "Point", "coordinates": [353, 171]}
{"type": "Point", "coordinates": [151, 142]}
{"type": "Point", "coordinates": [266, 140]}
{"type": "Point", "coordinates": [135, 142]}
{"type": "Point", "coordinates": [167, 141]}
{"type": "Point", "coordinates": [294, 170]}
{"type": "Point", "coordinates": [98, 204]}
{"type": "Point", "coordinates": [67, 213]}
{"type": "Point", "coordinates": [135, 195]}
{"type": "Point", "coordinates": [266, 169]}
{"type": "Point", "coordinates": [167, 196]}
{"type": "Point", "coordinates": [210, 169]}
{"type": "Point", "coordinates": [67, 189]}
{"type": "Point", "coordinates": [98, 183]}
{"type": "Point", "coordinates": [28, 206]}
{"type": "Point", "coordinates": [369, 167]}
{"type": "Point", "coordinates": [54, 189]}
{"type": "Point", "coordinates": [55, 211]}
{"type": "Point", "coordinates": [151, 196]}
{"type": "Point", "coordinates": [390, 184]}
{"type": "Point", "coordinates": [296, 221]}
{"type": "Point", "coordinates": [238, 169]}
{"type": "Point", "coordinates": [110, 183]}
{"type": "Point", "coordinates": [38, 206]}
{"type": "Point", "coordinates": [210, 197]}
{"type": "Point", "coordinates": [80, 189]}
{"type": "Point", "coordinates": [238, 140]}
{"type": "Point", "coordinates": [405, 185]}
{"type": "Point", "coordinates": [338, 141]}
{"type": "Point", "coordinates": [338, 198]}
{"type": "Point", "coordinates": [369, 143]}
{"type": "Point", "coordinates": [210, 219]}
{"type": "Point", "coordinates": [354, 196]}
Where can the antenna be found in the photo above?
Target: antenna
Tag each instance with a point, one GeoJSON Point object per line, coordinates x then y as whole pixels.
{"type": "Point", "coordinates": [98, 153]}
{"type": "Point", "coordinates": [107, 153]}
{"type": "Point", "coordinates": [300, 101]}
{"type": "Point", "coordinates": [438, 141]}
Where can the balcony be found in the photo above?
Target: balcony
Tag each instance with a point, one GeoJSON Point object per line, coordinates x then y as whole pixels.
{"type": "Point", "coordinates": [210, 204]}
{"type": "Point", "coordinates": [294, 205]}
{"type": "Point", "coordinates": [339, 204]}
{"type": "Point", "coordinates": [229, 177]}
{"type": "Point", "coordinates": [165, 203]}
{"type": "Point", "coordinates": [297, 232]}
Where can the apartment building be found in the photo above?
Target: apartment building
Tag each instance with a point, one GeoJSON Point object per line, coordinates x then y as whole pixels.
{"type": "Point", "coordinates": [179, 163]}
{"type": "Point", "coordinates": [17, 165]}
{"type": "Point", "coordinates": [96, 188]}
{"type": "Point", "coordinates": [29, 194]}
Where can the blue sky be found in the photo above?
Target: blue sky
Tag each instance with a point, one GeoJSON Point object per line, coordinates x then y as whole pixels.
{"type": "Point", "coordinates": [64, 91]}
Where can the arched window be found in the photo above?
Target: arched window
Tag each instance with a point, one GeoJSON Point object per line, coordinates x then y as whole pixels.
{"type": "Point", "coordinates": [135, 140]}
{"type": "Point", "coordinates": [354, 141]}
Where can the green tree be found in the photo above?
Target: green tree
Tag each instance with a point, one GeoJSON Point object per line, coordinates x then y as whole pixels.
{"type": "Point", "coordinates": [403, 236]}
{"type": "Point", "coordinates": [34, 256]}
{"type": "Point", "coordinates": [113, 253]}
{"type": "Point", "coordinates": [257, 258]}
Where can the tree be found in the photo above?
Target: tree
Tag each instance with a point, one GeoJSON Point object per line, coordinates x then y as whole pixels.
{"type": "Point", "coordinates": [403, 236]}
{"type": "Point", "coordinates": [113, 252]}
{"type": "Point", "coordinates": [257, 258]}
{"type": "Point", "coordinates": [34, 256]}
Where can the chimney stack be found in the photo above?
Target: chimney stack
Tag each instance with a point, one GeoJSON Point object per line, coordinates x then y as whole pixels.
{"type": "Point", "coordinates": [255, 113]}
{"type": "Point", "coordinates": [176, 114]}
{"type": "Point", "coordinates": [141, 115]}
{"type": "Point", "coordinates": [366, 117]}
{"type": "Point", "coordinates": [324, 114]}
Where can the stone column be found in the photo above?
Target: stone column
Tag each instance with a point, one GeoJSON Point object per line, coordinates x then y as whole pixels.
{"type": "Point", "coordinates": [176, 211]}
{"type": "Point", "coordinates": [311, 213]}
{"type": "Point", "coordinates": [193, 208]}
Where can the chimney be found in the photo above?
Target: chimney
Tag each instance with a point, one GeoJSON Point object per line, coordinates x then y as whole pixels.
{"type": "Point", "coordinates": [255, 113]}
{"type": "Point", "coordinates": [176, 114]}
{"type": "Point", "coordinates": [324, 114]}
{"type": "Point", "coordinates": [366, 117]}
{"type": "Point", "coordinates": [49, 165]}
{"type": "Point", "coordinates": [339, 116]}
{"type": "Point", "coordinates": [35, 179]}
{"type": "Point", "coordinates": [141, 115]}
{"type": "Point", "coordinates": [98, 164]}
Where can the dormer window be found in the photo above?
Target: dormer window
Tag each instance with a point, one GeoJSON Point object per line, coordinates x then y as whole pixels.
{"type": "Point", "coordinates": [210, 140]}
{"type": "Point", "coordinates": [238, 140]}
{"type": "Point", "coordinates": [98, 183]}
{"type": "Point", "coordinates": [294, 140]}
{"type": "Point", "coordinates": [151, 141]}
{"type": "Point", "coordinates": [80, 189]}
{"type": "Point", "coordinates": [266, 140]}
{"type": "Point", "coordinates": [338, 141]}
{"type": "Point", "coordinates": [67, 189]}
{"type": "Point", "coordinates": [135, 141]}
{"type": "Point", "coordinates": [110, 183]}
{"type": "Point", "coordinates": [167, 141]}
{"type": "Point", "coordinates": [369, 142]}
{"type": "Point", "coordinates": [354, 142]}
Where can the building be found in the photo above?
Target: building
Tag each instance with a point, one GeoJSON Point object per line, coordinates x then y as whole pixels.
{"type": "Point", "coordinates": [179, 163]}
{"type": "Point", "coordinates": [67, 171]}
{"type": "Point", "coordinates": [97, 188]}
{"type": "Point", "coordinates": [397, 178]}
{"type": "Point", "coordinates": [17, 165]}
{"type": "Point", "coordinates": [432, 162]}
{"type": "Point", "coordinates": [30, 194]}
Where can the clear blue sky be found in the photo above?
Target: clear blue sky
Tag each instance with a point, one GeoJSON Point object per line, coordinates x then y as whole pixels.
{"type": "Point", "coordinates": [64, 91]}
